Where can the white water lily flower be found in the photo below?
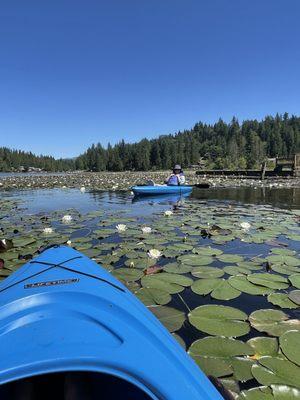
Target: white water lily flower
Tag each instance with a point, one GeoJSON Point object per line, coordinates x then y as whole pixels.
{"type": "Point", "coordinates": [168, 213]}
{"type": "Point", "coordinates": [245, 225]}
{"type": "Point", "coordinates": [67, 218]}
{"type": "Point", "coordinates": [48, 230]}
{"type": "Point", "coordinates": [154, 253]}
{"type": "Point", "coordinates": [146, 229]}
{"type": "Point", "coordinates": [121, 227]}
{"type": "Point", "coordinates": [82, 189]}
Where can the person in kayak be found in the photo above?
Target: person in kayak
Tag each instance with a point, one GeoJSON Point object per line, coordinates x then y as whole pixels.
{"type": "Point", "coordinates": [177, 177]}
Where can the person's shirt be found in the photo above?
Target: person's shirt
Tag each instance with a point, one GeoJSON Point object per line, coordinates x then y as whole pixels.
{"type": "Point", "coordinates": [174, 179]}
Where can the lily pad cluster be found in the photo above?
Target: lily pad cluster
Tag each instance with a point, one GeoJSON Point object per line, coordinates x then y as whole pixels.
{"type": "Point", "coordinates": [199, 270]}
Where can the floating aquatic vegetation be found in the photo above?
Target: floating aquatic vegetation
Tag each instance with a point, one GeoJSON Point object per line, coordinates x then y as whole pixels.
{"type": "Point", "coordinates": [219, 320]}
{"type": "Point", "coordinates": [203, 255]}
{"type": "Point", "coordinates": [273, 322]}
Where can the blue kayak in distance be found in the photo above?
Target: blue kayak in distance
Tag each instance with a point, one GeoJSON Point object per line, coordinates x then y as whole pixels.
{"type": "Point", "coordinates": [161, 189]}
{"type": "Point", "coordinates": [70, 330]}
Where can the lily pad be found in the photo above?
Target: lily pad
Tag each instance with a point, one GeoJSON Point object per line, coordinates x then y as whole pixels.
{"type": "Point", "coordinates": [207, 251]}
{"type": "Point", "coordinates": [176, 268]}
{"type": "Point", "coordinates": [230, 258]}
{"type": "Point", "coordinates": [295, 280]}
{"type": "Point", "coordinates": [219, 320]}
{"type": "Point", "coordinates": [170, 283]}
{"type": "Point", "coordinates": [290, 345]}
{"type": "Point", "coordinates": [150, 296]}
{"type": "Point", "coordinates": [281, 300]}
{"type": "Point", "coordinates": [274, 322]}
{"type": "Point", "coordinates": [205, 286]}
{"type": "Point", "coordinates": [271, 281]}
{"type": "Point", "coordinates": [242, 368]}
{"type": "Point", "coordinates": [240, 282]}
{"type": "Point", "coordinates": [272, 370]}
{"type": "Point", "coordinates": [284, 392]}
{"type": "Point", "coordinates": [264, 346]}
{"type": "Point", "coordinates": [294, 295]}
{"type": "Point", "coordinates": [171, 318]}
{"type": "Point", "coordinates": [195, 259]}
{"type": "Point", "coordinates": [236, 270]}
{"type": "Point", "coordinates": [283, 259]}
{"type": "Point", "coordinates": [204, 272]}
{"type": "Point", "coordinates": [214, 366]}
{"type": "Point", "coordinates": [224, 291]}
{"type": "Point", "coordinates": [219, 346]}
{"type": "Point", "coordinates": [259, 393]}
{"type": "Point", "coordinates": [127, 274]}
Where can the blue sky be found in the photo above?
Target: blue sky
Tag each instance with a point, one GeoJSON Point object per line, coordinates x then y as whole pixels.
{"type": "Point", "coordinates": [74, 72]}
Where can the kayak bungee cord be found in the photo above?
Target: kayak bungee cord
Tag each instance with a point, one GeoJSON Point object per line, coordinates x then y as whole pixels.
{"type": "Point", "coordinates": [59, 265]}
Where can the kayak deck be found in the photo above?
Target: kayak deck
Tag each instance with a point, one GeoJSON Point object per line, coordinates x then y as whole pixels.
{"type": "Point", "coordinates": [62, 313]}
{"type": "Point", "coordinates": [160, 190]}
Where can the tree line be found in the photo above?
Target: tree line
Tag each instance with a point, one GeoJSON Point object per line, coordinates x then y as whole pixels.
{"type": "Point", "coordinates": [221, 145]}
{"type": "Point", "coordinates": [11, 160]}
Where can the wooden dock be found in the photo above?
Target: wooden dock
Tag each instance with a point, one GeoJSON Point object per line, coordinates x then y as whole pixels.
{"type": "Point", "coordinates": [284, 167]}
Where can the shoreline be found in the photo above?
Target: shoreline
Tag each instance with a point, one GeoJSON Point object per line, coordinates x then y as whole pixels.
{"type": "Point", "coordinates": [124, 180]}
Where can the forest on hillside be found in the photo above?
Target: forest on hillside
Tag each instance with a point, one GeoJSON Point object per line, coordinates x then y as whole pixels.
{"type": "Point", "coordinates": [221, 145]}
{"type": "Point", "coordinates": [11, 160]}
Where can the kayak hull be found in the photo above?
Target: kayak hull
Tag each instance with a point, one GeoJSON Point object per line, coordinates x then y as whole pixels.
{"type": "Point", "coordinates": [63, 312]}
{"type": "Point", "coordinates": [160, 190]}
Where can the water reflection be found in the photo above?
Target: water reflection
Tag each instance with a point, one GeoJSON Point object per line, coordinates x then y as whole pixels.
{"type": "Point", "coordinates": [168, 199]}
{"type": "Point", "coordinates": [278, 197]}
{"type": "Point", "coordinates": [47, 200]}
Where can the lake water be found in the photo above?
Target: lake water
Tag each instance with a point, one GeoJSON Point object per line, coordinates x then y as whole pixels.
{"type": "Point", "coordinates": [266, 210]}
{"type": "Point", "coordinates": [46, 200]}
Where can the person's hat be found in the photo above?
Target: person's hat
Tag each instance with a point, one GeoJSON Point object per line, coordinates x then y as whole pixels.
{"type": "Point", "coordinates": [177, 166]}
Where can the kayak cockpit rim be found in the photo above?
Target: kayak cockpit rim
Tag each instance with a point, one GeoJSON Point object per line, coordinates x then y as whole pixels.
{"type": "Point", "coordinates": [98, 375]}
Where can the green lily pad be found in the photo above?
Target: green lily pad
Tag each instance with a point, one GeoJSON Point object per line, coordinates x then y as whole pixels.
{"type": "Point", "coordinates": [284, 392]}
{"type": "Point", "coordinates": [214, 366]}
{"type": "Point", "coordinates": [150, 296]}
{"type": "Point", "coordinates": [285, 269]}
{"type": "Point", "coordinates": [230, 258]}
{"type": "Point", "coordinates": [274, 322]}
{"type": "Point", "coordinates": [219, 320]}
{"type": "Point", "coordinates": [236, 270]}
{"type": "Point", "coordinates": [171, 318]}
{"type": "Point", "coordinates": [23, 241]}
{"type": "Point", "coordinates": [290, 345]}
{"type": "Point", "coordinates": [205, 286]}
{"type": "Point", "coordinates": [271, 281]}
{"type": "Point", "coordinates": [127, 274]}
{"type": "Point", "coordinates": [272, 370]}
{"type": "Point", "coordinates": [242, 368]}
{"type": "Point", "coordinates": [264, 346]}
{"type": "Point", "coordinates": [283, 259]}
{"type": "Point", "coordinates": [207, 251]}
{"type": "Point", "coordinates": [282, 252]}
{"type": "Point", "coordinates": [224, 291]}
{"type": "Point", "coordinates": [240, 282]}
{"type": "Point", "coordinates": [281, 300]}
{"type": "Point", "coordinates": [170, 283]}
{"type": "Point", "coordinates": [259, 393]}
{"type": "Point", "coordinates": [176, 268]}
{"type": "Point", "coordinates": [295, 280]}
{"type": "Point", "coordinates": [195, 259]}
{"type": "Point", "coordinates": [294, 295]}
{"type": "Point", "coordinates": [204, 272]}
{"type": "Point", "coordinates": [219, 346]}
